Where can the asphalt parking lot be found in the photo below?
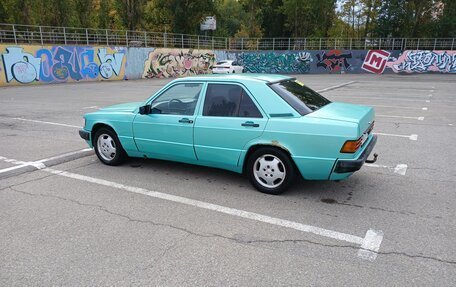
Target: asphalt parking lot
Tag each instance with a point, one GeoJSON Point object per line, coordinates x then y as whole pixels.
{"type": "Point", "coordinates": [67, 219]}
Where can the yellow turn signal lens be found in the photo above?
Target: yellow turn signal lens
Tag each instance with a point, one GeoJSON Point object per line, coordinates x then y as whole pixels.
{"type": "Point", "coordinates": [351, 146]}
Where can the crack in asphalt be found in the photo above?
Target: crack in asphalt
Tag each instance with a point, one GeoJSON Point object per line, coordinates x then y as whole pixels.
{"type": "Point", "coordinates": [387, 210]}
{"type": "Point", "coordinates": [213, 235]}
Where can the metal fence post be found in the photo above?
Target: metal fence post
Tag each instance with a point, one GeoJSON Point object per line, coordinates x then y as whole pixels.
{"type": "Point", "coordinates": [335, 44]}
{"type": "Point", "coordinates": [392, 48]}
{"type": "Point", "coordinates": [164, 39]}
{"type": "Point", "coordinates": [212, 42]}
{"type": "Point", "coordinates": [452, 44]}
{"type": "Point", "coordinates": [145, 39]}
{"type": "Point", "coordinates": [87, 37]}
{"type": "Point", "coordinates": [182, 40]}
{"type": "Point", "coordinates": [14, 33]}
{"type": "Point", "coordinates": [289, 43]}
{"type": "Point", "coordinates": [126, 38]}
{"type": "Point", "coordinates": [226, 43]}
{"type": "Point", "coordinates": [405, 44]}
{"type": "Point", "coordinates": [107, 41]}
{"type": "Point", "coordinates": [64, 36]}
{"type": "Point", "coordinates": [319, 47]}
{"type": "Point", "coordinates": [365, 44]}
{"type": "Point", "coordinates": [350, 43]}
{"type": "Point", "coordinates": [418, 44]}
{"type": "Point", "coordinates": [198, 42]}
{"type": "Point", "coordinates": [258, 44]}
{"type": "Point", "coordinates": [380, 43]}
{"type": "Point", "coordinates": [435, 43]}
{"type": "Point", "coordinates": [41, 36]}
{"type": "Point", "coordinates": [242, 44]}
{"type": "Point", "coordinates": [273, 44]}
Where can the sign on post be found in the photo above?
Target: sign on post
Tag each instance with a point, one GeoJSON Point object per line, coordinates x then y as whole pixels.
{"type": "Point", "coordinates": [209, 23]}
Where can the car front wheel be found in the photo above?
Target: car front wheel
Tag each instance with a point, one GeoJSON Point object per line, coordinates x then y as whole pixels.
{"type": "Point", "coordinates": [108, 147]}
{"type": "Point", "coordinates": [270, 170]}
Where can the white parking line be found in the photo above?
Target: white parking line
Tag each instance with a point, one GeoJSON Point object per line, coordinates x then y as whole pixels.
{"type": "Point", "coordinates": [44, 122]}
{"type": "Point", "coordinates": [401, 117]}
{"type": "Point", "coordinates": [411, 137]}
{"type": "Point", "coordinates": [400, 107]}
{"type": "Point", "coordinates": [369, 245]}
{"type": "Point", "coordinates": [40, 164]}
{"type": "Point", "coordinates": [335, 87]}
{"type": "Point", "coordinates": [379, 98]}
{"type": "Point", "coordinates": [399, 169]}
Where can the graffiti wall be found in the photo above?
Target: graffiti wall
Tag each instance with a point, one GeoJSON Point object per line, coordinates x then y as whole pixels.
{"type": "Point", "coordinates": [55, 64]}
{"type": "Point", "coordinates": [167, 63]}
{"type": "Point", "coordinates": [27, 65]}
{"type": "Point", "coordinates": [424, 61]}
{"type": "Point", "coordinates": [343, 61]}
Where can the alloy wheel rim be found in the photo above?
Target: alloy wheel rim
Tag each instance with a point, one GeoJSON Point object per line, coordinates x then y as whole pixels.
{"type": "Point", "coordinates": [106, 147]}
{"type": "Point", "coordinates": [269, 171]}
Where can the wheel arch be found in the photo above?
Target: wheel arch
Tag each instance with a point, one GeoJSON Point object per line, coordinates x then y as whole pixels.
{"type": "Point", "coordinates": [257, 146]}
{"type": "Point", "coordinates": [96, 127]}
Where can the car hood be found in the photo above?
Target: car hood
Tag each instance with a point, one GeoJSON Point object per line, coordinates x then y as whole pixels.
{"type": "Point", "coordinates": [127, 107]}
{"type": "Point", "coordinates": [362, 115]}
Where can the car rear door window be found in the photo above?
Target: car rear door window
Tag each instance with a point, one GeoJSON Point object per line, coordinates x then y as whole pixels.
{"type": "Point", "coordinates": [225, 100]}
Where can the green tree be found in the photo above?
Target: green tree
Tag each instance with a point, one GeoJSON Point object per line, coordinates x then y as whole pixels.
{"type": "Point", "coordinates": [230, 15]}
{"type": "Point", "coordinates": [251, 23]}
{"type": "Point", "coordinates": [273, 19]}
{"type": "Point", "coordinates": [311, 18]}
{"type": "Point", "coordinates": [445, 24]}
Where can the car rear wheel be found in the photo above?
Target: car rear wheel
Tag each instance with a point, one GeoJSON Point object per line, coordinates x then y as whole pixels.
{"type": "Point", "coordinates": [270, 170]}
{"type": "Point", "coordinates": [108, 147]}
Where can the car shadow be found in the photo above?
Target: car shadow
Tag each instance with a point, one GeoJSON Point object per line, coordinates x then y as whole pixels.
{"type": "Point", "coordinates": [328, 192]}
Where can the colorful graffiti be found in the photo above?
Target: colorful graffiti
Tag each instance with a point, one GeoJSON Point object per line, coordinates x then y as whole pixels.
{"type": "Point", "coordinates": [375, 61]}
{"type": "Point", "coordinates": [424, 61]}
{"type": "Point", "coordinates": [334, 60]}
{"type": "Point", "coordinates": [166, 63]}
{"type": "Point", "coordinates": [28, 64]}
{"type": "Point", "coordinates": [276, 62]}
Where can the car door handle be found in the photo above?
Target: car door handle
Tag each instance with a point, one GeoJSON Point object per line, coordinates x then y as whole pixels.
{"type": "Point", "coordinates": [186, 121]}
{"type": "Point", "coordinates": [250, 124]}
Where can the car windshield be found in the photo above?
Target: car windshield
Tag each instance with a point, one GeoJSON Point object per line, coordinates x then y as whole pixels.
{"type": "Point", "coordinates": [301, 98]}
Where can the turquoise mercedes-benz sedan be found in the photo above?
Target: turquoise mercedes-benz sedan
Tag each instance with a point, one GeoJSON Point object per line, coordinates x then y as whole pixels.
{"type": "Point", "coordinates": [269, 127]}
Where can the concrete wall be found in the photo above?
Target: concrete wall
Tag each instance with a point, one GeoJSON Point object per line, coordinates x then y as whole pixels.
{"type": "Point", "coordinates": [344, 61]}
{"type": "Point", "coordinates": [27, 64]}
{"type": "Point", "coordinates": [54, 64]}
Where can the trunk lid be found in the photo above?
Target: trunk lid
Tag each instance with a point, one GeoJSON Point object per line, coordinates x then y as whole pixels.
{"type": "Point", "coordinates": [362, 115]}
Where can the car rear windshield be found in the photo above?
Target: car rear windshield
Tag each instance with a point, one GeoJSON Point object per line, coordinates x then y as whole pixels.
{"type": "Point", "coordinates": [301, 98]}
{"type": "Point", "coordinates": [221, 63]}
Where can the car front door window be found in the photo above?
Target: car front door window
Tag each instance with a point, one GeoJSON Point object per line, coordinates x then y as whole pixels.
{"type": "Point", "coordinates": [180, 99]}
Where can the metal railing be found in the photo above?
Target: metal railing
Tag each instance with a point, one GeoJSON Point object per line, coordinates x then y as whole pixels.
{"type": "Point", "coordinates": [48, 35]}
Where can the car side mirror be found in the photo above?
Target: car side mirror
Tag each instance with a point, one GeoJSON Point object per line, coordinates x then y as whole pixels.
{"type": "Point", "coordinates": [155, 111]}
{"type": "Point", "coordinates": [144, 110]}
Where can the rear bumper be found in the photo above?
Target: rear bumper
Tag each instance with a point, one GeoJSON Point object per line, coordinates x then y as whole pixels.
{"type": "Point", "coordinates": [352, 165]}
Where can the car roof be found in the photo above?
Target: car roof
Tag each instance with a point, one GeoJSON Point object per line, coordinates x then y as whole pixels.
{"type": "Point", "coordinates": [268, 78]}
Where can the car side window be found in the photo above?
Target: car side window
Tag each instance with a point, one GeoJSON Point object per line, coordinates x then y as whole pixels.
{"type": "Point", "coordinates": [225, 100]}
{"type": "Point", "coordinates": [180, 99]}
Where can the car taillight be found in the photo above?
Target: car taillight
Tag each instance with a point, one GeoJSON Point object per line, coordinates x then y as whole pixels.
{"type": "Point", "coordinates": [352, 146]}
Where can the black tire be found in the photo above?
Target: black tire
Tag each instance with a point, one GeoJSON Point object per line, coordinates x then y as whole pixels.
{"type": "Point", "coordinates": [264, 177]}
{"type": "Point", "coordinates": [102, 152]}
